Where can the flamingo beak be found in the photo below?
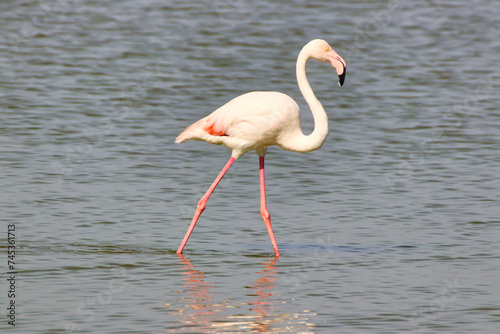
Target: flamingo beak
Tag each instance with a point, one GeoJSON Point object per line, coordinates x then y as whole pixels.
{"type": "Point", "coordinates": [342, 77]}
{"type": "Point", "coordinates": [339, 64]}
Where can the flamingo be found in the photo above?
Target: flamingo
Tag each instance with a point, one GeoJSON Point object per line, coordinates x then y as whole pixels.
{"type": "Point", "coordinates": [256, 120]}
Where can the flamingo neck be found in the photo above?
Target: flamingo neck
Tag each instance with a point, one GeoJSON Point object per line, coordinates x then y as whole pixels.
{"type": "Point", "coordinates": [301, 142]}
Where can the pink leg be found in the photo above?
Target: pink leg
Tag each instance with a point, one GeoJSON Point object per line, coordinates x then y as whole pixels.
{"type": "Point", "coordinates": [263, 207]}
{"type": "Point", "coordinates": [203, 203]}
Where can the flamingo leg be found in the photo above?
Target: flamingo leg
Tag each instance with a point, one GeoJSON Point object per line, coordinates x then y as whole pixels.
{"type": "Point", "coordinates": [263, 207]}
{"type": "Point", "coordinates": [203, 203]}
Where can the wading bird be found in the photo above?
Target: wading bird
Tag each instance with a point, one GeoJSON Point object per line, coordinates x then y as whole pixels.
{"type": "Point", "coordinates": [256, 120]}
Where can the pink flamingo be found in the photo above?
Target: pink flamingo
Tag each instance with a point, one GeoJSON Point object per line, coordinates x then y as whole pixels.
{"type": "Point", "coordinates": [256, 120]}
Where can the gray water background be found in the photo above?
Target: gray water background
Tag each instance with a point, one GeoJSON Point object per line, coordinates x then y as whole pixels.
{"type": "Point", "coordinates": [391, 227]}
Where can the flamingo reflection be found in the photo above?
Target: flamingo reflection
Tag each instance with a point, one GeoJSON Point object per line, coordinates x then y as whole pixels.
{"type": "Point", "coordinates": [200, 313]}
{"type": "Point", "coordinates": [263, 305]}
{"type": "Point", "coordinates": [200, 307]}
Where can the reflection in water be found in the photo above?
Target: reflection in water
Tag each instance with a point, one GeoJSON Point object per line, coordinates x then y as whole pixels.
{"type": "Point", "coordinates": [200, 313]}
{"type": "Point", "coordinates": [200, 308]}
{"type": "Point", "coordinates": [263, 304]}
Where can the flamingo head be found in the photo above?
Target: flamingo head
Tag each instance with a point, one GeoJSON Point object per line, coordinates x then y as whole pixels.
{"type": "Point", "coordinates": [322, 51]}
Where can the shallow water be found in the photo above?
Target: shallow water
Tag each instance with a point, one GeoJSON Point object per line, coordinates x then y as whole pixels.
{"type": "Point", "coordinates": [391, 227]}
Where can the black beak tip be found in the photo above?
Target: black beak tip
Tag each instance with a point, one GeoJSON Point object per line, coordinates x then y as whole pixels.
{"type": "Point", "coordinates": [342, 77]}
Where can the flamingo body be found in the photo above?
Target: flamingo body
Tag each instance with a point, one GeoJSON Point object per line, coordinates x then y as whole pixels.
{"type": "Point", "coordinates": [256, 120]}
{"type": "Point", "coordinates": [249, 122]}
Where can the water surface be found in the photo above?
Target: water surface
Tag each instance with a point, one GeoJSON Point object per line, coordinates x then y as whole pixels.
{"type": "Point", "coordinates": [391, 227]}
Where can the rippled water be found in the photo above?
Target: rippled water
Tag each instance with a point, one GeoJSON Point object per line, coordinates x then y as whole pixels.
{"type": "Point", "coordinates": [391, 227]}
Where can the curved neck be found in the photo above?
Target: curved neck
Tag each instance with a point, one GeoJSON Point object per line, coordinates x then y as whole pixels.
{"type": "Point", "coordinates": [301, 142]}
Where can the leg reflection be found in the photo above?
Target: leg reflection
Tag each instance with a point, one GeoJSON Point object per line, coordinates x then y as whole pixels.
{"type": "Point", "coordinates": [199, 305]}
{"type": "Point", "coordinates": [263, 305]}
{"type": "Point", "coordinates": [198, 311]}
